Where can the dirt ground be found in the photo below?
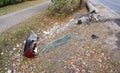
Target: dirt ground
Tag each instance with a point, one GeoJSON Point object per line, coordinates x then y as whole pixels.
{"type": "Point", "coordinates": [82, 54]}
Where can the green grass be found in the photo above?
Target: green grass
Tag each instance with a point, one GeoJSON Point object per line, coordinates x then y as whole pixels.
{"type": "Point", "coordinates": [15, 7]}
{"type": "Point", "coordinates": [20, 31]}
{"type": "Point", "coordinates": [18, 34]}
{"type": "Point", "coordinates": [37, 23]}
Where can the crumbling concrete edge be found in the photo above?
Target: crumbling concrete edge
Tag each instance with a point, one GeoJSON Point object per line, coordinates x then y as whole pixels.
{"type": "Point", "coordinates": [113, 50]}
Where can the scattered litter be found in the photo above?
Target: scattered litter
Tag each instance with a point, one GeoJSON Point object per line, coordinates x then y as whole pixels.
{"type": "Point", "coordinates": [58, 28]}
{"type": "Point", "coordinates": [14, 49]}
{"type": "Point", "coordinates": [94, 36]}
{"type": "Point", "coordinates": [52, 31]}
{"type": "Point", "coordinates": [87, 53]}
{"type": "Point", "coordinates": [2, 53]}
{"type": "Point", "coordinates": [24, 41]}
{"type": "Point", "coordinates": [46, 32]}
{"type": "Point", "coordinates": [84, 63]}
{"type": "Point", "coordinates": [9, 71]}
{"type": "Point", "coordinates": [56, 23]}
{"type": "Point", "coordinates": [56, 42]}
{"type": "Point", "coordinates": [17, 45]}
{"type": "Point", "coordinates": [14, 71]}
{"type": "Point", "coordinates": [18, 55]}
{"type": "Point", "coordinates": [91, 16]}
{"type": "Point", "coordinates": [14, 65]}
{"type": "Point", "coordinates": [71, 20]}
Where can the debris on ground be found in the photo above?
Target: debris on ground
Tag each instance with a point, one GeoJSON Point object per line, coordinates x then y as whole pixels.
{"type": "Point", "coordinates": [93, 36]}
{"type": "Point", "coordinates": [80, 55]}
{"type": "Point", "coordinates": [30, 48]}
{"type": "Point", "coordinates": [57, 42]}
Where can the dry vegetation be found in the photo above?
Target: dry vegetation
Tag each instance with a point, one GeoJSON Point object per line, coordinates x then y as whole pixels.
{"type": "Point", "coordinates": [15, 7]}
{"type": "Point", "coordinates": [81, 54]}
{"type": "Point", "coordinates": [14, 36]}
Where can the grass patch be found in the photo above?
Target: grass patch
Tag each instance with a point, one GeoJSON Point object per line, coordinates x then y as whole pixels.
{"type": "Point", "coordinates": [15, 7]}
{"type": "Point", "coordinates": [18, 33]}
{"type": "Point", "coordinates": [37, 23]}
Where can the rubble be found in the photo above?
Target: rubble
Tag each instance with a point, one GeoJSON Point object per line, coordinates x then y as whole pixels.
{"type": "Point", "coordinates": [9, 71]}
{"type": "Point", "coordinates": [14, 49]}
{"type": "Point", "coordinates": [93, 36]}
{"type": "Point", "coordinates": [80, 55]}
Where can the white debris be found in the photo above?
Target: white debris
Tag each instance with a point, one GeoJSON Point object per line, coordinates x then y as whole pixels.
{"type": "Point", "coordinates": [46, 32]}
{"type": "Point", "coordinates": [14, 48]}
{"type": "Point", "coordinates": [9, 71]}
{"type": "Point", "coordinates": [17, 45]}
{"type": "Point", "coordinates": [54, 29]}
{"type": "Point", "coordinates": [18, 55]}
{"type": "Point", "coordinates": [83, 63]}
{"type": "Point", "coordinates": [58, 28]}
{"type": "Point", "coordinates": [2, 53]}
{"type": "Point", "coordinates": [87, 53]}
{"type": "Point", "coordinates": [14, 71]}
{"type": "Point", "coordinates": [14, 65]}
{"type": "Point", "coordinates": [71, 20]}
{"type": "Point", "coordinates": [56, 23]}
{"type": "Point", "coordinates": [24, 41]}
{"type": "Point", "coordinates": [35, 50]}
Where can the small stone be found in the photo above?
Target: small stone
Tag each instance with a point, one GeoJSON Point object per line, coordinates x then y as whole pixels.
{"type": "Point", "coordinates": [14, 65]}
{"type": "Point", "coordinates": [11, 52]}
{"type": "Point", "coordinates": [99, 60]}
{"type": "Point", "coordinates": [56, 23]}
{"type": "Point", "coordinates": [9, 71]}
{"type": "Point", "coordinates": [102, 54]}
{"type": "Point", "coordinates": [17, 45]}
{"type": "Point", "coordinates": [83, 63]}
{"type": "Point", "coordinates": [80, 58]}
{"type": "Point", "coordinates": [83, 70]}
{"type": "Point", "coordinates": [71, 20]}
{"type": "Point", "coordinates": [87, 53]}
{"type": "Point", "coordinates": [2, 53]}
{"type": "Point", "coordinates": [46, 32]}
{"type": "Point", "coordinates": [14, 48]}
{"type": "Point", "coordinates": [24, 41]}
{"type": "Point", "coordinates": [18, 55]}
{"type": "Point", "coordinates": [14, 71]}
{"type": "Point", "coordinates": [5, 68]}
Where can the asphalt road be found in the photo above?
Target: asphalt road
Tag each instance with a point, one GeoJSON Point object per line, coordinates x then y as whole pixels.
{"type": "Point", "coordinates": [11, 19]}
{"type": "Point", "coordinates": [113, 4]}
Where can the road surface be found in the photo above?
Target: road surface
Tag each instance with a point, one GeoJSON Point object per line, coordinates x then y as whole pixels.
{"type": "Point", "coordinates": [113, 4]}
{"type": "Point", "coordinates": [11, 19]}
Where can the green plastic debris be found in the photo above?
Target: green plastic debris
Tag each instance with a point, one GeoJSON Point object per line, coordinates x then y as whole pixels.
{"type": "Point", "coordinates": [56, 42]}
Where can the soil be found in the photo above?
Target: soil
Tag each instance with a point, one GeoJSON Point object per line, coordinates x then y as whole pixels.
{"type": "Point", "coordinates": [82, 54]}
